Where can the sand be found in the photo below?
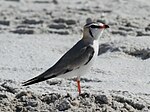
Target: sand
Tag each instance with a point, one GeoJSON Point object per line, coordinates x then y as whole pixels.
{"type": "Point", "coordinates": [34, 34]}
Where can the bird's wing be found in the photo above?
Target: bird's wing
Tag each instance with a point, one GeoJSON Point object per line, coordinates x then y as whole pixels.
{"type": "Point", "coordinates": [79, 55]}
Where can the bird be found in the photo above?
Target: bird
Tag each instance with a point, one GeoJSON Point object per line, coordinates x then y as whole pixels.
{"type": "Point", "coordinates": [78, 60]}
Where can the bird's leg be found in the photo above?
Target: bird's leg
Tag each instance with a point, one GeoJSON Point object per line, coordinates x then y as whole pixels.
{"type": "Point", "coordinates": [78, 84]}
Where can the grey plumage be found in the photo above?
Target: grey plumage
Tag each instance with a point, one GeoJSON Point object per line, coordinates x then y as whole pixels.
{"type": "Point", "coordinates": [80, 54]}
{"type": "Point", "coordinates": [79, 58]}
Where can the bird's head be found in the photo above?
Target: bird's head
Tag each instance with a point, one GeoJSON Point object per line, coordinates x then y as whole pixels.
{"type": "Point", "coordinates": [94, 30]}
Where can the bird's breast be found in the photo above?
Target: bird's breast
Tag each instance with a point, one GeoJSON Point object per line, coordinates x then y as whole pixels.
{"type": "Point", "coordinates": [96, 47]}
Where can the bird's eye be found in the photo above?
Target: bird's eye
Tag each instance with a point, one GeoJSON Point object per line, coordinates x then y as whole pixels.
{"type": "Point", "coordinates": [94, 26]}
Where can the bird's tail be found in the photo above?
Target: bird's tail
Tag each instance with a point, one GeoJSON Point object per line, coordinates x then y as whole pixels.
{"type": "Point", "coordinates": [33, 81]}
{"type": "Point", "coordinates": [37, 79]}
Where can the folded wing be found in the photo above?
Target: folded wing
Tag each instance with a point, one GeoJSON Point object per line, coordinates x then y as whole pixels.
{"type": "Point", "coordinates": [79, 55]}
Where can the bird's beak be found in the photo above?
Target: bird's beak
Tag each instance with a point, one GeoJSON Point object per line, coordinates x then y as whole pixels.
{"type": "Point", "coordinates": [106, 26]}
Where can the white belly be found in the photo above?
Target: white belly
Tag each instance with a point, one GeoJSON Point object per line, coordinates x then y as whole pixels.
{"type": "Point", "coordinates": [85, 68]}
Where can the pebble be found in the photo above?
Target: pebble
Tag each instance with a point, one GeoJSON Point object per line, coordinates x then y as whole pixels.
{"type": "Point", "coordinates": [23, 31]}
{"type": "Point", "coordinates": [103, 48]}
{"type": "Point", "coordinates": [9, 87]}
{"type": "Point", "coordinates": [50, 98]}
{"type": "Point", "coordinates": [60, 32]}
{"type": "Point", "coordinates": [4, 22]}
{"type": "Point", "coordinates": [123, 33]}
{"type": "Point", "coordinates": [141, 33]}
{"type": "Point", "coordinates": [2, 96]}
{"type": "Point", "coordinates": [32, 21]}
{"type": "Point", "coordinates": [32, 103]}
{"type": "Point", "coordinates": [64, 105]}
{"type": "Point", "coordinates": [67, 21]}
{"type": "Point", "coordinates": [102, 99]}
{"type": "Point", "coordinates": [147, 28]}
{"type": "Point", "coordinates": [58, 26]}
{"type": "Point", "coordinates": [20, 94]}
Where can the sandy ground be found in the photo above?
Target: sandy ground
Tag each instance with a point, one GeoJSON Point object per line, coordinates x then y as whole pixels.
{"type": "Point", "coordinates": [34, 34]}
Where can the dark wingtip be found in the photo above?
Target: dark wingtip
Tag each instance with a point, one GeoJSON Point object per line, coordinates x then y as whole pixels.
{"type": "Point", "coordinates": [37, 79]}
{"type": "Point", "coordinates": [31, 81]}
{"type": "Point", "coordinates": [25, 83]}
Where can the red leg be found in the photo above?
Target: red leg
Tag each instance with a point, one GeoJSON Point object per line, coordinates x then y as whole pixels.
{"type": "Point", "coordinates": [79, 88]}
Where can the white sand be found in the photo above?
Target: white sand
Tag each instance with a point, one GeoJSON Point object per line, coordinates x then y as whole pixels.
{"type": "Point", "coordinates": [124, 67]}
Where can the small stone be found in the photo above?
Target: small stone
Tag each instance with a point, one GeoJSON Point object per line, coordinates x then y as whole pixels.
{"type": "Point", "coordinates": [59, 20]}
{"type": "Point", "coordinates": [102, 99]}
{"type": "Point", "coordinates": [31, 109]}
{"type": "Point", "coordinates": [22, 93]}
{"type": "Point", "coordinates": [53, 82]}
{"type": "Point", "coordinates": [2, 89]}
{"type": "Point", "coordinates": [140, 33]}
{"type": "Point", "coordinates": [133, 25]}
{"type": "Point", "coordinates": [147, 28]}
{"type": "Point", "coordinates": [75, 103]}
{"type": "Point", "coordinates": [103, 48]}
{"type": "Point", "coordinates": [32, 21]}
{"type": "Point", "coordinates": [123, 110]}
{"type": "Point", "coordinates": [70, 22]}
{"type": "Point", "coordinates": [42, 1]}
{"type": "Point", "coordinates": [123, 33]}
{"type": "Point", "coordinates": [55, 1]}
{"type": "Point", "coordinates": [138, 106]}
{"type": "Point", "coordinates": [26, 94]}
{"type": "Point", "coordinates": [24, 98]}
{"type": "Point", "coordinates": [23, 31]}
{"type": "Point", "coordinates": [44, 111]}
{"type": "Point", "coordinates": [114, 105]}
{"type": "Point", "coordinates": [51, 98]}
{"type": "Point", "coordinates": [19, 108]}
{"type": "Point", "coordinates": [4, 22]}
{"type": "Point", "coordinates": [2, 96]}
{"type": "Point", "coordinates": [126, 29]}
{"type": "Point", "coordinates": [64, 105]}
{"type": "Point", "coordinates": [85, 95]}
{"type": "Point", "coordinates": [107, 108]}
{"type": "Point", "coordinates": [9, 87]}
{"type": "Point", "coordinates": [128, 107]}
{"type": "Point", "coordinates": [32, 103]}
{"type": "Point", "coordinates": [57, 26]}
{"type": "Point", "coordinates": [14, 0]}
{"type": "Point", "coordinates": [60, 32]}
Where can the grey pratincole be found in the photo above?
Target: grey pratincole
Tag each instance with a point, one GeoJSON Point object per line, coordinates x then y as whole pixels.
{"type": "Point", "coordinates": [78, 60]}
